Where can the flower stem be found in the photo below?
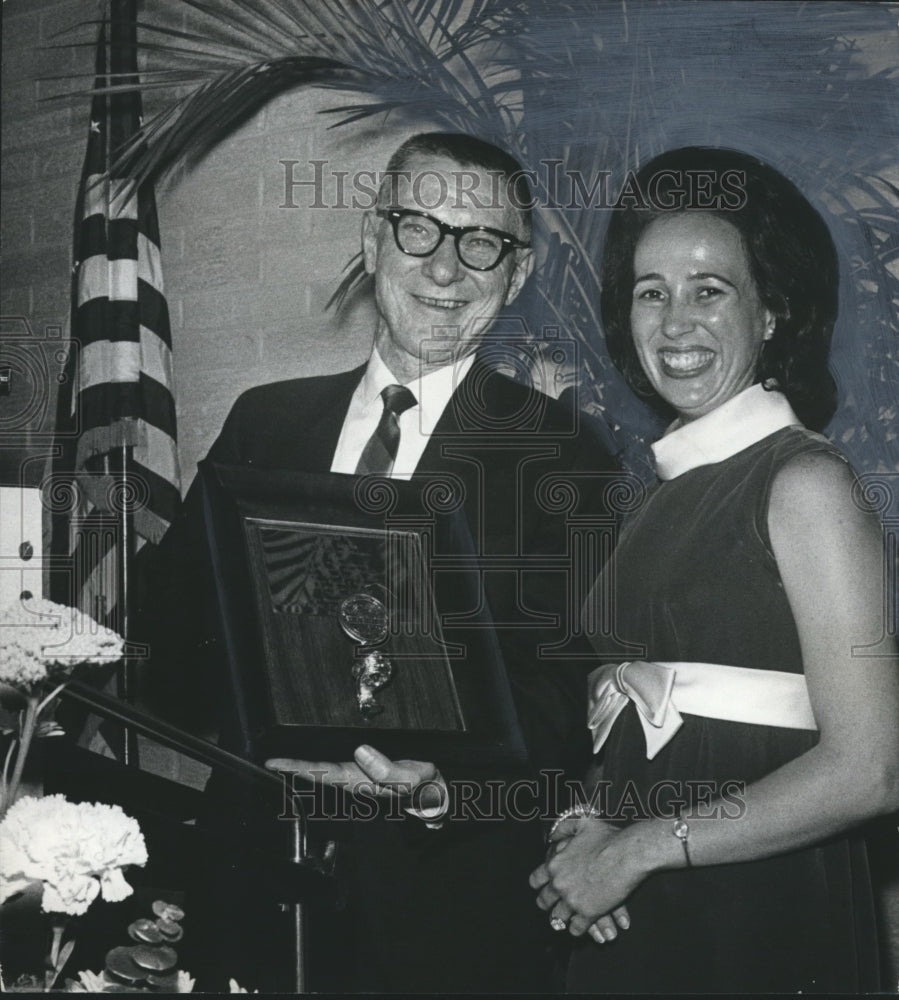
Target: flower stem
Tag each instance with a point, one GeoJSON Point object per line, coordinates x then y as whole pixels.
{"type": "Point", "coordinates": [51, 696]}
{"type": "Point", "coordinates": [58, 928]}
{"type": "Point", "coordinates": [26, 733]}
{"type": "Point", "coordinates": [58, 956]}
{"type": "Point", "coordinates": [4, 781]}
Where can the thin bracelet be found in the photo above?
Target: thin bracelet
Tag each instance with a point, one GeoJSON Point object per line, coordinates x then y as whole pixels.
{"type": "Point", "coordinates": [681, 830]}
{"type": "Point", "coordinates": [580, 811]}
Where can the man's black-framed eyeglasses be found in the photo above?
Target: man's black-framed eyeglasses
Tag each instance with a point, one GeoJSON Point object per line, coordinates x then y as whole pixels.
{"type": "Point", "coordinates": [419, 234]}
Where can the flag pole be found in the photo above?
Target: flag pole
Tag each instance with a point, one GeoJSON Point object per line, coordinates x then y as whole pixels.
{"type": "Point", "coordinates": [122, 112]}
{"type": "Point", "coordinates": [116, 469]}
{"type": "Point", "coordinates": [125, 555]}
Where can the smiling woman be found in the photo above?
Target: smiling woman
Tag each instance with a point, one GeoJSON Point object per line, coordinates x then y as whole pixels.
{"type": "Point", "coordinates": [697, 321]}
{"type": "Point", "coordinates": [782, 260]}
{"type": "Point", "coordinates": [752, 578]}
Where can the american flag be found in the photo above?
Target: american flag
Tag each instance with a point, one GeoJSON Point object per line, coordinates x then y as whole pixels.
{"type": "Point", "coordinates": [122, 394]}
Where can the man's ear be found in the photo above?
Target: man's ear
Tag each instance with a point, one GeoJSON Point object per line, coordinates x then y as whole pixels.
{"type": "Point", "coordinates": [524, 264]}
{"type": "Point", "coordinates": [370, 241]}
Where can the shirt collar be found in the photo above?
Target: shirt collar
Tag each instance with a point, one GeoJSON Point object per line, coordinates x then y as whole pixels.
{"type": "Point", "coordinates": [376, 378]}
{"type": "Point", "coordinates": [746, 419]}
{"type": "Point", "coordinates": [432, 390]}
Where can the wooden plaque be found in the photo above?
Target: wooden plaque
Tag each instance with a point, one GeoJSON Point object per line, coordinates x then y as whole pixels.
{"type": "Point", "coordinates": [324, 585]}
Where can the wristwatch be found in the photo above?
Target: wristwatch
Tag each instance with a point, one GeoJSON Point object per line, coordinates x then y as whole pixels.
{"type": "Point", "coordinates": [681, 830]}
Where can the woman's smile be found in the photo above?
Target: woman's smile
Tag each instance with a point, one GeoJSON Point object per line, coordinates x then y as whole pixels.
{"type": "Point", "coordinates": [685, 362]}
{"type": "Point", "coordinates": [696, 317]}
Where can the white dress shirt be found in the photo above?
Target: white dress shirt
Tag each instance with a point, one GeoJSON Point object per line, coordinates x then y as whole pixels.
{"type": "Point", "coordinates": [432, 392]}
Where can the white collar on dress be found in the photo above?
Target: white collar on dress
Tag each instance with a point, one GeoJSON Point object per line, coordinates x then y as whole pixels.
{"type": "Point", "coordinates": [432, 391]}
{"type": "Point", "coordinates": [749, 417]}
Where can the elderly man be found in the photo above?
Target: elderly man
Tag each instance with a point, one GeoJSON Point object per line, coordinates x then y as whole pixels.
{"type": "Point", "coordinates": [445, 907]}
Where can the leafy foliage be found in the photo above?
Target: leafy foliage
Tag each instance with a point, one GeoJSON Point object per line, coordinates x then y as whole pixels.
{"type": "Point", "coordinates": [588, 87]}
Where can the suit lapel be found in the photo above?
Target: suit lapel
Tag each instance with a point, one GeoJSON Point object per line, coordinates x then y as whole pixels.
{"type": "Point", "coordinates": [456, 446]}
{"type": "Point", "coordinates": [450, 427]}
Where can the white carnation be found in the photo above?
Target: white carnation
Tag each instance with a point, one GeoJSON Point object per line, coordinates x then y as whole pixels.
{"type": "Point", "coordinates": [99, 982]}
{"type": "Point", "coordinates": [88, 982]}
{"type": "Point", "coordinates": [36, 634]}
{"type": "Point", "coordinates": [77, 850]}
{"type": "Point", "coordinates": [185, 983]}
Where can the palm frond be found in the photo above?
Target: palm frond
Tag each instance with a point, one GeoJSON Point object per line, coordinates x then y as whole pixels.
{"type": "Point", "coordinates": [409, 58]}
{"type": "Point", "coordinates": [350, 283]}
{"type": "Point", "coordinates": [595, 85]}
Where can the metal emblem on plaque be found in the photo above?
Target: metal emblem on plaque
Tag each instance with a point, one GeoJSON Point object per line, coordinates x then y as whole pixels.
{"type": "Point", "coordinates": [364, 619]}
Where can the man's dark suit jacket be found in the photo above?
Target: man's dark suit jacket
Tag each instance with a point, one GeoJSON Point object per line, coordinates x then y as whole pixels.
{"type": "Point", "coordinates": [451, 910]}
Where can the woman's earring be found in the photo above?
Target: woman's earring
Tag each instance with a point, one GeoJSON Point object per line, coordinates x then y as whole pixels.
{"type": "Point", "coordinates": [769, 330]}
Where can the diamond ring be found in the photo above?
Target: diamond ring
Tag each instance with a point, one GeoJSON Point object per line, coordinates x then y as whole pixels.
{"type": "Point", "coordinates": [557, 924]}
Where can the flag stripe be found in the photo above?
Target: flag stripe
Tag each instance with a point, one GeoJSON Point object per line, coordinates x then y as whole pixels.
{"type": "Point", "coordinates": [146, 399]}
{"type": "Point", "coordinates": [115, 273]}
{"type": "Point", "coordinates": [121, 240]}
{"type": "Point", "coordinates": [151, 453]}
{"type": "Point", "coordinates": [154, 312]}
{"type": "Point", "coordinates": [115, 196]}
{"type": "Point", "coordinates": [150, 450]}
{"type": "Point", "coordinates": [91, 237]}
{"type": "Point", "coordinates": [148, 218]}
{"type": "Point", "coordinates": [121, 361]}
{"type": "Point", "coordinates": [100, 319]}
{"type": "Point", "coordinates": [115, 280]}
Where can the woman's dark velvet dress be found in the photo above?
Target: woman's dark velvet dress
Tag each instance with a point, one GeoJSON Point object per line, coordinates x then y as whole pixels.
{"type": "Point", "coordinates": [695, 580]}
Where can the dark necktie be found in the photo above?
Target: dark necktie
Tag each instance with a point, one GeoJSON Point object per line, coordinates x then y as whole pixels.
{"type": "Point", "coordinates": [379, 453]}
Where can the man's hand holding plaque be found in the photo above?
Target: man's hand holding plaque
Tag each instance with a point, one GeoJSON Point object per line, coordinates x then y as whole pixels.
{"type": "Point", "coordinates": [417, 785]}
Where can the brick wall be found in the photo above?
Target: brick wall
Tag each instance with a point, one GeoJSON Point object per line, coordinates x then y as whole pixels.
{"type": "Point", "coordinates": [41, 165]}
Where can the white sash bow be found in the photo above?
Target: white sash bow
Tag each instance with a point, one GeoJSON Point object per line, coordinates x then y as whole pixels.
{"type": "Point", "coordinates": [661, 691]}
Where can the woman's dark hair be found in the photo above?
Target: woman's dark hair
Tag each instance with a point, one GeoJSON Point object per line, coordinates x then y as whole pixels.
{"type": "Point", "coordinates": [792, 260]}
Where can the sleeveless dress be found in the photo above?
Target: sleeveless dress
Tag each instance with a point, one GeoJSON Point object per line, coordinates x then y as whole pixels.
{"type": "Point", "coordinates": [695, 580]}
